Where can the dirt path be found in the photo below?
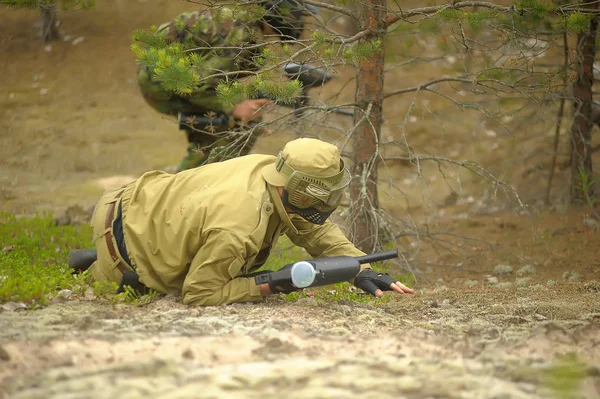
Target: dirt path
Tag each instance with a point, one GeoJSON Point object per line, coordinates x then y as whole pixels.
{"type": "Point", "coordinates": [485, 343]}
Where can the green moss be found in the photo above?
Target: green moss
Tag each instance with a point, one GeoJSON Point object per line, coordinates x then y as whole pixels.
{"type": "Point", "coordinates": [34, 257]}
{"type": "Point", "coordinates": [565, 376]}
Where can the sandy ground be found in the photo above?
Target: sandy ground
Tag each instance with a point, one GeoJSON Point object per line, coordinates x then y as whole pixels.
{"type": "Point", "coordinates": [72, 124]}
{"type": "Point", "coordinates": [443, 343]}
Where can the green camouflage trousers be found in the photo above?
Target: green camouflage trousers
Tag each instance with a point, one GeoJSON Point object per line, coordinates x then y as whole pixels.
{"type": "Point", "coordinates": [206, 145]}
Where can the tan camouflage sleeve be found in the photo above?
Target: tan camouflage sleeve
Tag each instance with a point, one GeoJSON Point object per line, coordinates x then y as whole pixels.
{"type": "Point", "coordinates": [211, 279]}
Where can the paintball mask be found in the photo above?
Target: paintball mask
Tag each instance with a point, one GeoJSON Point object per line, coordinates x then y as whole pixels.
{"type": "Point", "coordinates": [285, 17]}
{"type": "Point", "coordinates": [313, 198]}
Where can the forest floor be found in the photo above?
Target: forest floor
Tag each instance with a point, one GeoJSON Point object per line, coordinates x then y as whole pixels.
{"type": "Point", "coordinates": [513, 313]}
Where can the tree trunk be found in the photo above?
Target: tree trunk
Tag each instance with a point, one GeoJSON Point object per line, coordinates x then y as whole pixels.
{"type": "Point", "coordinates": [581, 129]}
{"type": "Point", "coordinates": [49, 29]}
{"type": "Point", "coordinates": [369, 96]}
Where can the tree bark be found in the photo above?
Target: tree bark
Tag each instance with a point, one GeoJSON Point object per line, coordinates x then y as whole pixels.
{"type": "Point", "coordinates": [369, 97]}
{"type": "Point", "coordinates": [581, 129]}
{"type": "Point", "coordinates": [49, 29]}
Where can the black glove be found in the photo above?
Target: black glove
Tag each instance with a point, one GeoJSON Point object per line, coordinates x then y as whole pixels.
{"type": "Point", "coordinates": [369, 281]}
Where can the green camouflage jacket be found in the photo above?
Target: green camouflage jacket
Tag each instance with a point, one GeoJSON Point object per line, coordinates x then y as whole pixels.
{"type": "Point", "coordinates": [225, 40]}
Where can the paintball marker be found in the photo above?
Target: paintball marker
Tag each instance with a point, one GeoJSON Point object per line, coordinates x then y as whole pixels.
{"type": "Point", "coordinates": [319, 272]}
{"type": "Point", "coordinates": [308, 75]}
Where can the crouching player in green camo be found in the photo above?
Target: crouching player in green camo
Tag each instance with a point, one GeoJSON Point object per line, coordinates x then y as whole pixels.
{"type": "Point", "coordinates": [227, 41]}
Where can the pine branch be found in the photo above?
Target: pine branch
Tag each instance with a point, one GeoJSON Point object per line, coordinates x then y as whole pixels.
{"type": "Point", "coordinates": [527, 9]}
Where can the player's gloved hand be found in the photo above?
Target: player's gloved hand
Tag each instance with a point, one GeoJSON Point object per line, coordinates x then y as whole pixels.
{"type": "Point", "coordinates": [374, 283]}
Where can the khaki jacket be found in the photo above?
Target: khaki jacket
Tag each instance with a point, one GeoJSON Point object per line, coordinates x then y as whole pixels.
{"type": "Point", "coordinates": [198, 230]}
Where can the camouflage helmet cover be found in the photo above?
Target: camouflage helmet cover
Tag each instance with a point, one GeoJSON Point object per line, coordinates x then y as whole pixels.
{"type": "Point", "coordinates": [313, 177]}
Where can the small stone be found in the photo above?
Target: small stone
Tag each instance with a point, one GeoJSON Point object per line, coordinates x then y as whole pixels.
{"type": "Point", "coordinates": [471, 283]}
{"type": "Point", "coordinates": [4, 355]}
{"type": "Point", "coordinates": [64, 295]}
{"type": "Point", "coordinates": [502, 270]}
{"type": "Point", "coordinates": [74, 215]}
{"type": "Point", "coordinates": [13, 306]}
{"type": "Point", "coordinates": [492, 280]}
{"type": "Point", "coordinates": [434, 304]}
{"type": "Point", "coordinates": [78, 40]}
{"type": "Point", "coordinates": [48, 48]}
{"type": "Point", "coordinates": [527, 269]}
{"type": "Point", "coordinates": [274, 343]}
{"type": "Point", "coordinates": [89, 294]}
{"type": "Point", "coordinates": [188, 354]}
{"type": "Point", "coordinates": [43, 91]}
{"type": "Point", "coordinates": [551, 283]}
{"type": "Point", "coordinates": [62, 220]}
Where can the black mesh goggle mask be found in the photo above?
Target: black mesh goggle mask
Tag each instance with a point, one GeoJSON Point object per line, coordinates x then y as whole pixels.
{"type": "Point", "coordinates": [311, 214]}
